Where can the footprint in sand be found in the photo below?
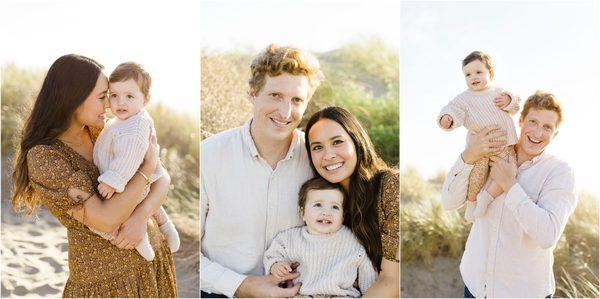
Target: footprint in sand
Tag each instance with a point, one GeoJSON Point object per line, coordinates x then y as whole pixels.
{"type": "Point", "coordinates": [45, 290]}
{"type": "Point", "coordinates": [63, 247]}
{"type": "Point", "coordinates": [36, 244]}
{"type": "Point", "coordinates": [57, 267]}
{"type": "Point", "coordinates": [5, 292]}
{"type": "Point", "coordinates": [20, 291]}
{"type": "Point", "coordinates": [34, 233]}
{"type": "Point", "coordinates": [30, 270]}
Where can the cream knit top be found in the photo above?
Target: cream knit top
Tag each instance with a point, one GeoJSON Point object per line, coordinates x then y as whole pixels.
{"type": "Point", "coordinates": [329, 264]}
{"type": "Point", "coordinates": [476, 110]}
{"type": "Point", "coordinates": [120, 149]}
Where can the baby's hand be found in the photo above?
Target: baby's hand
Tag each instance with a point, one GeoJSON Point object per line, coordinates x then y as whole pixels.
{"type": "Point", "coordinates": [502, 100]}
{"type": "Point", "coordinates": [280, 269]}
{"type": "Point", "coordinates": [106, 190]}
{"type": "Point", "coordinates": [446, 121]}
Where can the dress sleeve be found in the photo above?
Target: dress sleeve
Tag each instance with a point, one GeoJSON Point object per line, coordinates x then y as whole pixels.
{"type": "Point", "coordinates": [52, 175]}
{"type": "Point", "coordinates": [388, 215]}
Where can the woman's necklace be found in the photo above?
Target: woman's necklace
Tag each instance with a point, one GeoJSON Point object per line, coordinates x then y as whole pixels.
{"type": "Point", "coordinates": [72, 143]}
{"type": "Point", "coordinates": [75, 144]}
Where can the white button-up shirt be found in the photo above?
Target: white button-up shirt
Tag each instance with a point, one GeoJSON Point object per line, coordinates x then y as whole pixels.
{"type": "Point", "coordinates": [509, 249]}
{"type": "Point", "coordinates": [244, 204]}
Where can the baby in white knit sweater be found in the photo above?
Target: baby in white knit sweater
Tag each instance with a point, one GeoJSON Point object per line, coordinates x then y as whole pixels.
{"type": "Point", "coordinates": [330, 257]}
{"type": "Point", "coordinates": [481, 105]}
{"type": "Point", "coordinates": [122, 144]}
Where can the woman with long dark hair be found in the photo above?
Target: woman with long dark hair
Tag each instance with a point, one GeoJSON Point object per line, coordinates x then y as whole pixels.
{"type": "Point", "coordinates": [54, 167]}
{"type": "Point", "coordinates": [341, 152]}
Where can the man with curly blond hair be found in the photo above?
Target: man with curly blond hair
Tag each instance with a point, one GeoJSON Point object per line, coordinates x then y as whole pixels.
{"type": "Point", "coordinates": [250, 177]}
{"type": "Point", "coordinates": [509, 249]}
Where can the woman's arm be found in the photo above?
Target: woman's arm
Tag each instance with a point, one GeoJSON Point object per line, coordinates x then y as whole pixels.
{"type": "Point", "coordinates": [133, 229]}
{"type": "Point", "coordinates": [388, 282]}
{"type": "Point", "coordinates": [107, 215]}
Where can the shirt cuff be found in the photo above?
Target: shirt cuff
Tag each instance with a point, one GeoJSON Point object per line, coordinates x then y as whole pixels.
{"type": "Point", "coordinates": [113, 179]}
{"type": "Point", "coordinates": [515, 197]}
{"type": "Point", "coordinates": [461, 165]}
{"type": "Point", "coordinates": [484, 195]}
{"type": "Point", "coordinates": [229, 282]}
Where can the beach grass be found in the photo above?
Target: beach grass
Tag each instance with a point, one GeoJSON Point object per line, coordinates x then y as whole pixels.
{"type": "Point", "coordinates": [429, 231]}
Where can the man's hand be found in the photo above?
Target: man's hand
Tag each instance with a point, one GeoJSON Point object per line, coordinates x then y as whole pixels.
{"type": "Point", "coordinates": [502, 100]}
{"type": "Point", "coordinates": [446, 121]}
{"type": "Point", "coordinates": [503, 172]}
{"type": "Point", "coordinates": [494, 189]}
{"type": "Point", "coordinates": [488, 141]}
{"type": "Point", "coordinates": [267, 286]}
{"type": "Point", "coordinates": [280, 269]}
{"type": "Point", "coordinates": [106, 190]}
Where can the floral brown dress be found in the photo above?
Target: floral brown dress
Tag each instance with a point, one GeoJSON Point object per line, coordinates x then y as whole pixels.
{"type": "Point", "coordinates": [388, 211]}
{"type": "Point", "coordinates": [96, 267]}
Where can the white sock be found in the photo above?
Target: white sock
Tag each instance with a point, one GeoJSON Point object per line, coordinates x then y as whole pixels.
{"type": "Point", "coordinates": [168, 229]}
{"type": "Point", "coordinates": [144, 248]}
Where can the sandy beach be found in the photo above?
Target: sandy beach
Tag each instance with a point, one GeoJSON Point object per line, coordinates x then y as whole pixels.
{"type": "Point", "coordinates": [441, 280]}
{"type": "Point", "coordinates": [34, 254]}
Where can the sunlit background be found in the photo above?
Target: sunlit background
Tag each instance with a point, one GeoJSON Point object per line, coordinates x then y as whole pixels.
{"type": "Point", "coordinates": [162, 36]}
{"type": "Point", "coordinates": [553, 46]}
{"type": "Point", "coordinates": [311, 25]}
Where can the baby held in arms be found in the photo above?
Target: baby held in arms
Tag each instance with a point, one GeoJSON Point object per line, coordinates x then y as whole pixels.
{"type": "Point", "coordinates": [479, 106]}
{"type": "Point", "coordinates": [122, 144]}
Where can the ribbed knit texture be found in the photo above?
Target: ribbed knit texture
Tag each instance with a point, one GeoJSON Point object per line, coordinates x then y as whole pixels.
{"type": "Point", "coordinates": [476, 110]}
{"type": "Point", "coordinates": [329, 264]}
{"type": "Point", "coordinates": [120, 149]}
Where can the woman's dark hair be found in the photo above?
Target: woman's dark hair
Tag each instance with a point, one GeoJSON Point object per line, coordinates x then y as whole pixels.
{"type": "Point", "coordinates": [362, 196]}
{"type": "Point", "coordinates": [69, 81]}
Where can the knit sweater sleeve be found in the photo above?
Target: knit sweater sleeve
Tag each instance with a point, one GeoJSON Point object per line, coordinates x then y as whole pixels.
{"type": "Point", "coordinates": [366, 273]}
{"type": "Point", "coordinates": [277, 252]}
{"type": "Point", "coordinates": [128, 151]}
{"type": "Point", "coordinates": [457, 110]}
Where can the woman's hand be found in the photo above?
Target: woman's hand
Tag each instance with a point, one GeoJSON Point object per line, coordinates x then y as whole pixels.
{"type": "Point", "coordinates": [151, 157]}
{"type": "Point", "coordinates": [132, 231]}
{"type": "Point", "coordinates": [488, 141]}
